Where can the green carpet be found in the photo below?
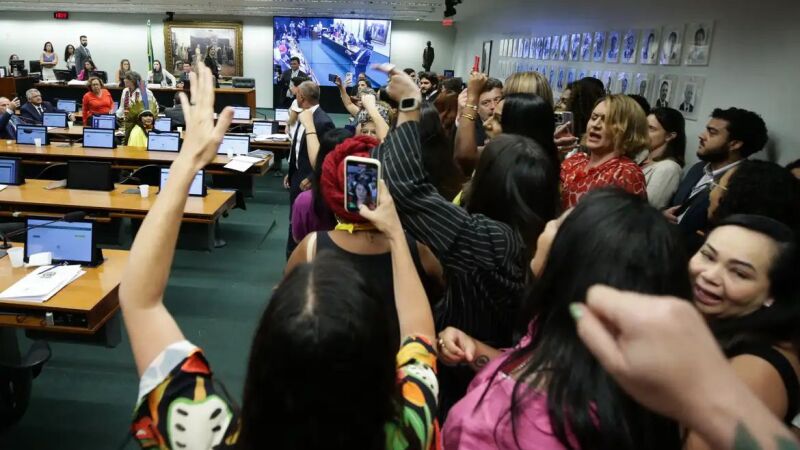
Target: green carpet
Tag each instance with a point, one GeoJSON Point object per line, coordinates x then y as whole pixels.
{"type": "Point", "coordinates": [85, 395]}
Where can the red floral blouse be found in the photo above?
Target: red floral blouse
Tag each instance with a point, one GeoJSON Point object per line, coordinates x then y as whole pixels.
{"type": "Point", "coordinates": [577, 180]}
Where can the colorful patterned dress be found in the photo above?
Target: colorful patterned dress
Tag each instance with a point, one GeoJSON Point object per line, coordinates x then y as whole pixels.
{"type": "Point", "coordinates": [577, 179]}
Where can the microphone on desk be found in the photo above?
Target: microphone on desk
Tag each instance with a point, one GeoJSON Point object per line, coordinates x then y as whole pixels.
{"type": "Point", "coordinates": [131, 177]}
{"type": "Point", "coordinates": [73, 216]}
{"type": "Point", "coordinates": [48, 168]}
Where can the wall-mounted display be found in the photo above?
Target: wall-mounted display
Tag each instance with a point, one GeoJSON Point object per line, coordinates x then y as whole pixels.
{"type": "Point", "coordinates": [599, 46]}
{"type": "Point", "coordinates": [671, 46]}
{"type": "Point", "coordinates": [612, 52]}
{"type": "Point", "coordinates": [630, 40]}
{"type": "Point", "coordinates": [698, 39]}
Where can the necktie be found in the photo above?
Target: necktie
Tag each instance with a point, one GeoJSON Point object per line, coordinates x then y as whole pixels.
{"type": "Point", "coordinates": [39, 110]}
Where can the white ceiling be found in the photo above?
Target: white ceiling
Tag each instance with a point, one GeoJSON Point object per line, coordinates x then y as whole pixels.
{"type": "Point", "coordinates": [391, 9]}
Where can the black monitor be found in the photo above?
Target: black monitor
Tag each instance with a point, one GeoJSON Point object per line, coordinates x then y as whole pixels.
{"type": "Point", "coordinates": [105, 121]}
{"type": "Point", "coordinates": [63, 75]}
{"type": "Point", "coordinates": [36, 66]}
{"type": "Point", "coordinates": [101, 74]}
{"type": "Point", "coordinates": [11, 171]}
{"type": "Point", "coordinates": [90, 175]}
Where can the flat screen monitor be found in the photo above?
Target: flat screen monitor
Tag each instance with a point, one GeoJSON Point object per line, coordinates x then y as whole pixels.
{"type": "Point", "coordinates": [99, 138]}
{"type": "Point", "coordinates": [198, 187]}
{"type": "Point", "coordinates": [55, 120]}
{"type": "Point", "coordinates": [262, 128]}
{"type": "Point", "coordinates": [241, 113]}
{"type": "Point", "coordinates": [332, 46]}
{"type": "Point", "coordinates": [27, 133]}
{"type": "Point", "coordinates": [163, 124]}
{"type": "Point", "coordinates": [65, 105]}
{"type": "Point", "coordinates": [35, 66]}
{"type": "Point", "coordinates": [281, 115]}
{"type": "Point", "coordinates": [17, 66]}
{"type": "Point", "coordinates": [238, 144]}
{"type": "Point", "coordinates": [164, 142]}
{"type": "Point", "coordinates": [90, 175]}
{"type": "Point", "coordinates": [72, 242]}
{"type": "Point", "coordinates": [63, 75]}
{"type": "Point", "coordinates": [3, 72]}
{"type": "Point", "coordinates": [105, 121]}
{"type": "Point", "coordinates": [11, 171]}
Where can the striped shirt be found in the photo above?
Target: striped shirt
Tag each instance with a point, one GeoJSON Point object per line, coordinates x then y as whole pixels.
{"type": "Point", "coordinates": [483, 259]}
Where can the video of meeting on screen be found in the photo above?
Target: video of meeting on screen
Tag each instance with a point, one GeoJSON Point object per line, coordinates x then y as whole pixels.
{"type": "Point", "coordinates": [331, 46]}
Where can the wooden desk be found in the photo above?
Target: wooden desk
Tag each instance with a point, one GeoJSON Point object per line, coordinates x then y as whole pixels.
{"type": "Point", "coordinates": [164, 96]}
{"type": "Point", "coordinates": [81, 307]}
{"type": "Point", "coordinates": [121, 158]}
{"type": "Point", "coordinates": [32, 197]}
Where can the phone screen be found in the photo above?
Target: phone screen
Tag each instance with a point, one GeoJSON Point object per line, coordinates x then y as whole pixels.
{"type": "Point", "coordinates": [332, 77]}
{"type": "Point", "coordinates": [361, 185]}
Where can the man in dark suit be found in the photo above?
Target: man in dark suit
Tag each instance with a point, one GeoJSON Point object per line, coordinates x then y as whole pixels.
{"type": "Point", "coordinates": [284, 81]}
{"type": "Point", "coordinates": [33, 111]}
{"type": "Point", "coordinates": [731, 136]}
{"type": "Point", "coordinates": [361, 60]}
{"type": "Point", "coordinates": [427, 57]}
{"type": "Point", "coordinates": [299, 162]}
{"type": "Point", "coordinates": [8, 120]}
{"type": "Point", "coordinates": [176, 112]}
{"type": "Point", "coordinates": [82, 53]}
{"type": "Point", "coordinates": [429, 86]}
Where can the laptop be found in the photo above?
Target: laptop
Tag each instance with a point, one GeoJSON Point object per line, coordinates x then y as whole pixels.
{"type": "Point", "coordinates": [238, 144]}
{"type": "Point", "coordinates": [264, 127]}
{"type": "Point", "coordinates": [65, 105]}
{"type": "Point", "coordinates": [70, 242]}
{"type": "Point", "coordinates": [90, 175]}
{"type": "Point", "coordinates": [11, 171]}
{"type": "Point", "coordinates": [54, 120]}
{"type": "Point", "coordinates": [163, 124]}
{"type": "Point", "coordinates": [27, 133]}
{"type": "Point", "coordinates": [104, 121]}
{"type": "Point", "coordinates": [99, 138]}
{"type": "Point", "coordinates": [197, 188]}
{"type": "Point", "coordinates": [281, 115]}
{"type": "Point", "coordinates": [164, 142]}
{"type": "Point", "coordinates": [241, 113]}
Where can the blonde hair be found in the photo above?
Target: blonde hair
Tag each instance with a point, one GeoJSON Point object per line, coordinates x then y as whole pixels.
{"type": "Point", "coordinates": [528, 83]}
{"type": "Point", "coordinates": [627, 122]}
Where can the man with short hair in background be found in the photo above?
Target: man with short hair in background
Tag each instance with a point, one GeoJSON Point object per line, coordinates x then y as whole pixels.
{"type": "Point", "coordinates": [429, 86]}
{"type": "Point", "coordinates": [284, 82]}
{"type": "Point", "coordinates": [82, 53]}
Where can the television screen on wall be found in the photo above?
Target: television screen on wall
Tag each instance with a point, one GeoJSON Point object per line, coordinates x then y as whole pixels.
{"type": "Point", "coordinates": [332, 46]}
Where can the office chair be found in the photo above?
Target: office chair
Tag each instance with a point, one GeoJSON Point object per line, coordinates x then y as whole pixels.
{"type": "Point", "coordinates": [16, 383]}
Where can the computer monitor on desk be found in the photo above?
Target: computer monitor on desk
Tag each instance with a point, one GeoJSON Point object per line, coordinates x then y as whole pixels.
{"type": "Point", "coordinates": [163, 124]}
{"type": "Point", "coordinates": [105, 121]}
{"type": "Point", "coordinates": [237, 144]}
{"type": "Point", "coordinates": [197, 188]}
{"type": "Point", "coordinates": [99, 138]}
{"type": "Point", "coordinates": [163, 142]}
{"type": "Point", "coordinates": [54, 120]}
{"type": "Point", "coordinates": [241, 112]}
{"type": "Point", "coordinates": [101, 74]}
{"type": "Point", "coordinates": [66, 105]}
{"type": "Point", "coordinates": [264, 127]}
{"type": "Point", "coordinates": [281, 115]}
{"type": "Point", "coordinates": [11, 171]}
{"type": "Point", "coordinates": [27, 134]}
{"type": "Point", "coordinates": [70, 242]}
{"type": "Point", "coordinates": [63, 75]}
{"type": "Point", "coordinates": [18, 67]}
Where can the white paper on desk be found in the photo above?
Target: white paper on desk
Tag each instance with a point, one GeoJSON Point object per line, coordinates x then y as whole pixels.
{"type": "Point", "coordinates": [277, 137]}
{"type": "Point", "coordinates": [3, 186]}
{"type": "Point", "coordinates": [80, 83]}
{"type": "Point", "coordinates": [38, 287]}
{"type": "Point", "coordinates": [241, 163]}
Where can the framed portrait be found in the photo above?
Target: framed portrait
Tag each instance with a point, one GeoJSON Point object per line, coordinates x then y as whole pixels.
{"type": "Point", "coordinates": [648, 47]}
{"type": "Point", "coordinates": [689, 95]}
{"type": "Point", "coordinates": [612, 52]}
{"type": "Point", "coordinates": [551, 75]}
{"type": "Point", "coordinates": [377, 29]}
{"type": "Point", "coordinates": [571, 73]}
{"type": "Point", "coordinates": [630, 40]}
{"type": "Point", "coordinates": [609, 81]}
{"type": "Point", "coordinates": [596, 75]}
{"type": "Point", "coordinates": [586, 47]}
{"type": "Point", "coordinates": [662, 95]}
{"type": "Point", "coordinates": [526, 48]}
{"type": "Point", "coordinates": [537, 48]}
{"type": "Point", "coordinates": [671, 46]}
{"type": "Point", "coordinates": [623, 85]}
{"type": "Point", "coordinates": [582, 73]}
{"type": "Point", "coordinates": [563, 53]}
{"type": "Point", "coordinates": [518, 53]}
{"type": "Point", "coordinates": [222, 41]}
{"type": "Point", "coordinates": [599, 46]}
{"type": "Point", "coordinates": [554, 48]}
{"type": "Point", "coordinates": [486, 57]}
{"type": "Point", "coordinates": [575, 47]}
{"type": "Point", "coordinates": [561, 78]}
{"type": "Point", "coordinates": [643, 84]}
{"type": "Point", "coordinates": [546, 47]}
{"type": "Point", "coordinates": [698, 45]}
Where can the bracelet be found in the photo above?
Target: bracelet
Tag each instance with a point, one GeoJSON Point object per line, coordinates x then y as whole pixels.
{"type": "Point", "coordinates": [310, 132]}
{"type": "Point", "coordinates": [468, 116]}
{"type": "Point", "coordinates": [472, 106]}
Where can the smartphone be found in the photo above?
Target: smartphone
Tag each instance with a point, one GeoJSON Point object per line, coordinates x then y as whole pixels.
{"type": "Point", "coordinates": [348, 78]}
{"type": "Point", "coordinates": [563, 117]}
{"type": "Point", "coordinates": [332, 77]}
{"type": "Point", "coordinates": [476, 65]}
{"type": "Point", "coordinates": [361, 177]}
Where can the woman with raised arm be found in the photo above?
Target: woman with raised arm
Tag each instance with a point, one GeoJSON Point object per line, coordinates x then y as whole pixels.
{"type": "Point", "coordinates": [322, 370]}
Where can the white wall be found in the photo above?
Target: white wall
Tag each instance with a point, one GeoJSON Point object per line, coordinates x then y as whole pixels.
{"type": "Point", "coordinates": [113, 37]}
{"type": "Point", "coordinates": [754, 60]}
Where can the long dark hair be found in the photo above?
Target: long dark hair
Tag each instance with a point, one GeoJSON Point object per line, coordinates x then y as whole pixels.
{"type": "Point", "coordinates": [586, 92]}
{"type": "Point", "coordinates": [437, 153]}
{"type": "Point", "coordinates": [516, 183]}
{"type": "Point", "coordinates": [617, 239]}
{"type": "Point", "coordinates": [66, 51]}
{"type": "Point", "coordinates": [777, 323]}
{"type": "Point", "coordinates": [763, 188]}
{"type": "Point", "coordinates": [672, 121]}
{"type": "Point", "coordinates": [52, 49]}
{"type": "Point", "coordinates": [327, 143]}
{"type": "Point", "coordinates": [530, 115]}
{"type": "Point", "coordinates": [321, 364]}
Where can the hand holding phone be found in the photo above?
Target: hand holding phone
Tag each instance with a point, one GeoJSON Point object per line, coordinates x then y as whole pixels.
{"type": "Point", "coordinates": [361, 176]}
{"type": "Point", "coordinates": [332, 77]}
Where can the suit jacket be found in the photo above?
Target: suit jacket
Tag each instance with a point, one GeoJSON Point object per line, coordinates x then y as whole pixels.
{"type": "Point", "coordinates": [300, 165]}
{"type": "Point", "coordinates": [427, 57]}
{"type": "Point", "coordinates": [176, 114]}
{"type": "Point", "coordinates": [81, 55]}
{"type": "Point", "coordinates": [696, 216]}
{"type": "Point", "coordinates": [29, 114]}
{"type": "Point", "coordinates": [8, 122]}
{"type": "Point", "coordinates": [285, 80]}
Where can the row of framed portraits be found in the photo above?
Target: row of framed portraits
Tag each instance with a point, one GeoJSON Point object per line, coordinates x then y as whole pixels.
{"type": "Point", "coordinates": [662, 46]}
{"type": "Point", "coordinates": [683, 93]}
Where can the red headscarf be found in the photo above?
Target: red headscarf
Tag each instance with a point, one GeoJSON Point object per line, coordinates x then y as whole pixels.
{"type": "Point", "coordinates": [332, 179]}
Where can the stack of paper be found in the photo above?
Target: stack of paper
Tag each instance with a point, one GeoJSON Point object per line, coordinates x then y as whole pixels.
{"type": "Point", "coordinates": [41, 284]}
{"type": "Point", "coordinates": [241, 163]}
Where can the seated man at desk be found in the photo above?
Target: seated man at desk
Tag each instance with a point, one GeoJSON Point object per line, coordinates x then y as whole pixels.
{"type": "Point", "coordinates": [8, 120]}
{"type": "Point", "coordinates": [33, 111]}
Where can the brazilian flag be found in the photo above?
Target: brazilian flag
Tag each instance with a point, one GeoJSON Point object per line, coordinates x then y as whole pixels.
{"type": "Point", "coordinates": [150, 56]}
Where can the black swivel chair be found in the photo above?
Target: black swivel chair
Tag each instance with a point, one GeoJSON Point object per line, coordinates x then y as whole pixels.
{"type": "Point", "coordinates": [16, 383]}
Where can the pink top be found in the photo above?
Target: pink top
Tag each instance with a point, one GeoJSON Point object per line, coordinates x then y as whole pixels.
{"type": "Point", "coordinates": [470, 428]}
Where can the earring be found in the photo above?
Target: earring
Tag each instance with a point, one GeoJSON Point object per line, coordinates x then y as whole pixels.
{"type": "Point", "coordinates": [768, 302]}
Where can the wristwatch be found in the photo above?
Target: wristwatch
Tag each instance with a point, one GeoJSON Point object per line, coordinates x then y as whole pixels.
{"type": "Point", "coordinates": [409, 104]}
